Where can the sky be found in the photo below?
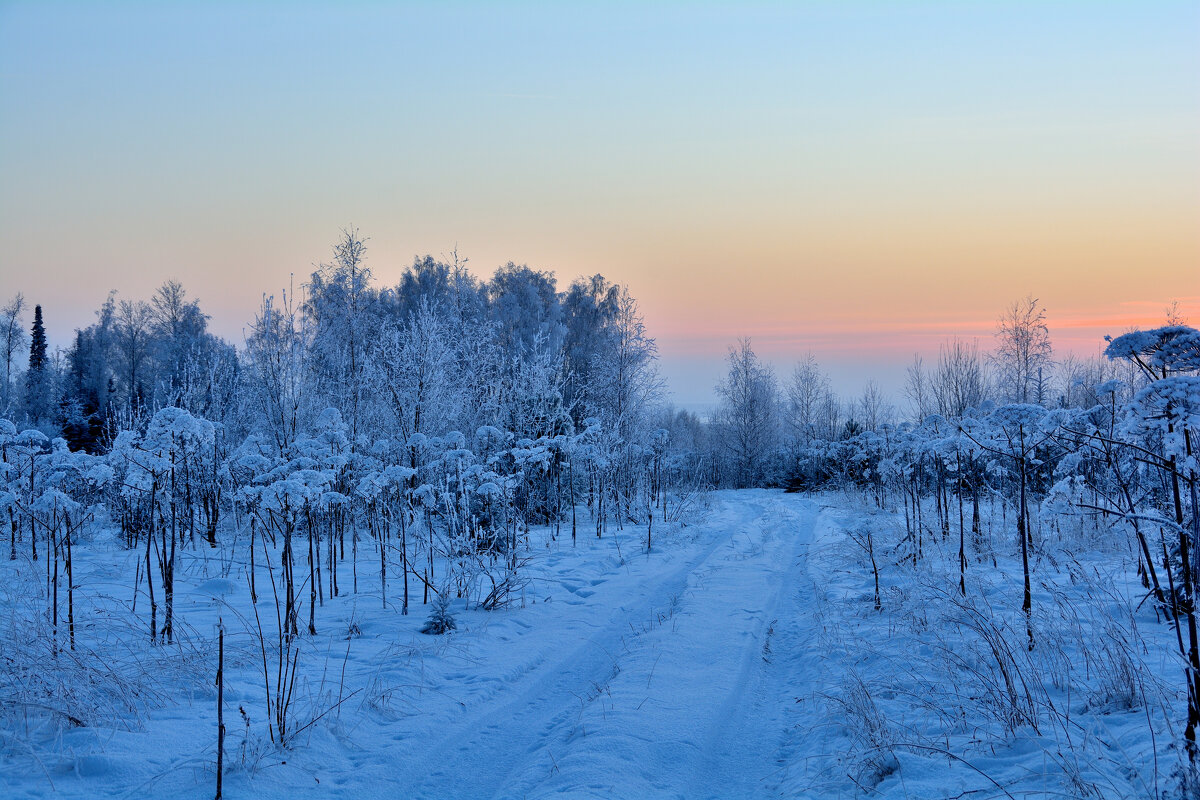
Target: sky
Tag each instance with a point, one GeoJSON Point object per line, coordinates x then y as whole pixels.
{"type": "Point", "coordinates": [858, 180]}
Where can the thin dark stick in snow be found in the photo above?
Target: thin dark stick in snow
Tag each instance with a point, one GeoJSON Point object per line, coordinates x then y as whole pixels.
{"type": "Point", "coordinates": [382, 566]}
{"type": "Point", "coordinates": [332, 564]}
{"type": "Point", "coordinates": [404, 555]}
{"type": "Point", "coordinates": [70, 589]}
{"type": "Point", "coordinates": [220, 703]}
{"type": "Point", "coordinates": [253, 529]}
{"type": "Point", "coordinates": [137, 581]}
{"type": "Point", "coordinates": [52, 547]}
{"type": "Point", "coordinates": [314, 579]}
{"type": "Point", "coordinates": [149, 571]}
{"type": "Point", "coordinates": [962, 541]}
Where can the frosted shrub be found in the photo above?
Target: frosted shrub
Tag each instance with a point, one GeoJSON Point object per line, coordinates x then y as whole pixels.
{"type": "Point", "coordinates": [440, 619]}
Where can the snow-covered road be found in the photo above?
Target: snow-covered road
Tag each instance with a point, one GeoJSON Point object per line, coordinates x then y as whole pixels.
{"type": "Point", "coordinates": [677, 689]}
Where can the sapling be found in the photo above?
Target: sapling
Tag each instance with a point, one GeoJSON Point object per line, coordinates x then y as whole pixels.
{"type": "Point", "coordinates": [865, 538]}
{"type": "Point", "coordinates": [441, 620]}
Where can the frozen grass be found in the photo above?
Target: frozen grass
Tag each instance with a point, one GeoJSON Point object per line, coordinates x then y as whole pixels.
{"type": "Point", "coordinates": [939, 694]}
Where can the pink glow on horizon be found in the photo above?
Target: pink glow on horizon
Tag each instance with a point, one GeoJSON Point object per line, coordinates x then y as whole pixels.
{"type": "Point", "coordinates": [1080, 333]}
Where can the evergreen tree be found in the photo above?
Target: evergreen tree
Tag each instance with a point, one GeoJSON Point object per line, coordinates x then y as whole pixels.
{"type": "Point", "coordinates": [37, 344]}
{"type": "Point", "coordinates": [37, 377]}
{"type": "Point", "coordinates": [86, 387]}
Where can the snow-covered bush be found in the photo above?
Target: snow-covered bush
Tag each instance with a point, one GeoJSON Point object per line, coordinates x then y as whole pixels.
{"type": "Point", "coordinates": [441, 619]}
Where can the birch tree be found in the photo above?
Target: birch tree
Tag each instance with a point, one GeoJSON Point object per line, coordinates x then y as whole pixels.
{"type": "Point", "coordinates": [748, 414]}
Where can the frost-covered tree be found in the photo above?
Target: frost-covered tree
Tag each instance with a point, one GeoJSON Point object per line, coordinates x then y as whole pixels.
{"type": "Point", "coordinates": [340, 307]}
{"type": "Point", "coordinates": [12, 339]}
{"type": "Point", "coordinates": [918, 390]}
{"type": "Point", "coordinates": [873, 408]}
{"type": "Point", "coordinates": [524, 304]}
{"type": "Point", "coordinates": [533, 392]}
{"type": "Point", "coordinates": [624, 377]}
{"type": "Point", "coordinates": [139, 357]}
{"type": "Point", "coordinates": [416, 373]}
{"type": "Point", "coordinates": [276, 371]}
{"type": "Point", "coordinates": [748, 416]}
{"type": "Point", "coordinates": [587, 306]}
{"type": "Point", "coordinates": [1023, 353]}
{"type": "Point", "coordinates": [959, 381]}
{"type": "Point", "coordinates": [427, 281]}
{"type": "Point", "coordinates": [133, 352]}
{"type": "Point", "coordinates": [1167, 412]}
{"type": "Point", "coordinates": [177, 328]}
{"type": "Point", "coordinates": [832, 415]}
{"type": "Point", "coordinates": [805, 391]}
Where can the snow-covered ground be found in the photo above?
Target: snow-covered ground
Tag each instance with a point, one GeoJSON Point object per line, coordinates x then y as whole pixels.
{"type": "Point", "coordinates": [741, 657]}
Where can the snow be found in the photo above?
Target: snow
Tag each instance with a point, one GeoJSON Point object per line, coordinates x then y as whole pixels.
{"type": "Point", "coordinates": [740, 657]}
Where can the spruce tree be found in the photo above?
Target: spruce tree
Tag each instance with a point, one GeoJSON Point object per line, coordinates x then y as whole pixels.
{"type": "Point", "coordinates": [37, 380]}
{"type": "Point", "coordinates": [37, 344]}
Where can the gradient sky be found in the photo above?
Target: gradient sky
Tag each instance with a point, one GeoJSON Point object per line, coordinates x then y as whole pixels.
{"type": "Point", "coordinates": [858, 179]}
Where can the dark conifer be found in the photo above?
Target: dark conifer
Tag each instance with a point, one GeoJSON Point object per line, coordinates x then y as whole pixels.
{"type": "Point", "coordinates": [37, 380]}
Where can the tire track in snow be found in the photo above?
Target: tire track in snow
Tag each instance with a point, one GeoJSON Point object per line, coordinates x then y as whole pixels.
{"type": "Point", "coordinates": [742, 755]}
{"type": "Point", "coordinates": [698, 709]}
{"type": "Point", "coordinates": [502, 748]}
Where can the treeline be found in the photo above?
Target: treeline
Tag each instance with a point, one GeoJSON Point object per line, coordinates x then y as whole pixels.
{"type": "Point", "coordinates": [442, 352]}
{"type": "Point", "coordinates": [768, 431]}
{"type": "Point", "coordinates": [439, 351]}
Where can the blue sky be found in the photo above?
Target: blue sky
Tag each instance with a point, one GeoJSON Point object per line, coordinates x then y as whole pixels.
{"type": "Point", "coordinates": [855, 179]}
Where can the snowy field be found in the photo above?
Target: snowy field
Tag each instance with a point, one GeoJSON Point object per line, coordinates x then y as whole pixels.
{"type": "Point", "coordinates": [741, 657]}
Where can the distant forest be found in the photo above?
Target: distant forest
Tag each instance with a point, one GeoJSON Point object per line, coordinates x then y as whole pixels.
{"type": "Point", "coordinates": [444, 353]}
